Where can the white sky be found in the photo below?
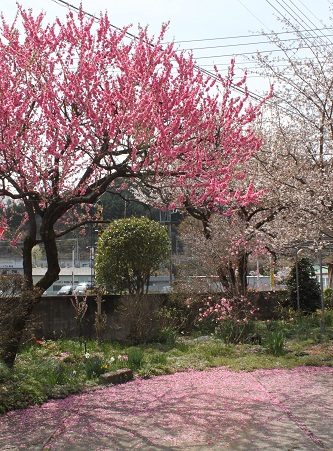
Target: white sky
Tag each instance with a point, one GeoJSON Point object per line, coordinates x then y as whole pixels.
{"type": "Point", "coordinates": [209, 20]}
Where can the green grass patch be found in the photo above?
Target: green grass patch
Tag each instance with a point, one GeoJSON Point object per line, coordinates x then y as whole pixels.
{"type": "Point", "coordinates": [47, 369]}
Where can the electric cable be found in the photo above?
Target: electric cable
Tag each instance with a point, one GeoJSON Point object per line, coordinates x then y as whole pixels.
{"type": "Point", "coordinates": [243, 36]}
{"type": "Point", "coordinates": [298, 31]}
{"type": "Point", "coordinates": [253, 53]}
{"type": "Point", "coordinates": [262, 23]}
{"type": "Point", "coordinates": [246, 44]}
{"type": "Point", "coordinates": [302, 20]}
{"type": "Point", "coordinates": [312, 23]}
{"type": "Point", "coordinates": [252, 95]}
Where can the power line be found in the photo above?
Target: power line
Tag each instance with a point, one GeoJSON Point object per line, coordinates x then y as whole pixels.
{"type": "Point", "coordinates": [262, 23]}
{"type": "Point", "coordinates": [247, 43]}
{"type": "Point", "coordinates": [253, 53]}
{"type": "Point", "coordinates": [255, 35]}
{"type": "Point", "coordinates": [298, 31]}
{"type": "Point", "coordinates": [303, 4]}
{"type": "Point", "coordinates": [252, 95]}
{"type": "Point", "coordinates": [70, 6]}
{"type": "Point", "coordinates": [302, 20]}
{"type": "Point", "coordinates": [132, 36]}
{"type": "Point", "coordinates": [283, 16]}
{"type": "Point", "coordinates": [325, 36]}
{"type": "Point", "coordinates": [281, 63]}
{"type": "Point", "coordinates": [75, 8]}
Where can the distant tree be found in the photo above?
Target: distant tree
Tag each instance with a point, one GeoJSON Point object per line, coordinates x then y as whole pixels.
{"type": "Point", "coordinates": [297, 151]}
{"type": "Point", "coordinates": [119, 202]}
{"type": "Point", "coordinates": [309, 288]}
{"type": "Point", "coordinates": [128, 252]}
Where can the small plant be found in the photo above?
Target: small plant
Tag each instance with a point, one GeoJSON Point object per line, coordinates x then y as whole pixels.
{"type": "Point", "coordinates": [100, 317]}
{"type": "Point", "coordinates": [167, 335]}
{"type": "Point", "coordinates": [5, 373]}
{"type": "Point", "coordinates": [234, 331]}
{"type": "Point", "coordinates": [232, 318]}
{"type": "Point", "coordinates": [95, 366]}
{"type": "Point", "coordinates": [159, 359]}
{"type": "Point", "coordinates": [80, 308]}
{"type": "Point", "coordinates": [135, 358]}
{"type": "Point", "coordinates": [46, 344]}
{"type": "Point", "coordinates": [275, 342]}
{"type": "Point", "coordinates": [55, 373]}
{"type": "Point", "coordinates": [306, 325]}
{"type": "Point", "coordinates": [329, 318]}
{"type": "Point", "coordinates": [216, 349]}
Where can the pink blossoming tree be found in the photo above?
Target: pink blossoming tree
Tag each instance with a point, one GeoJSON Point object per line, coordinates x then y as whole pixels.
{"type": "Point", "coordinates": [81, 105]}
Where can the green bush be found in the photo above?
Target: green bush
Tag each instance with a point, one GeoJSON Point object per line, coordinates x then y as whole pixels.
{"type": "Point", "coordinates": [275, 342]}
{"type": "Point", "coordinates": [233, 331]}
{"type": "Point", "coordinates": [329, 318]}
{"type": "Point", "coordinates": [128, 252]}
{"type": "Point", "coordinates": [328, 298]}
{"type": "Point", "coordinates": [167, 335]}
{"type": "Point", "coordinates": [135, 358]}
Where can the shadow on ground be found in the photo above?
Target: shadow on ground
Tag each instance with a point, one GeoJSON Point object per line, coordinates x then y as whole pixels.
{"type": "Point", "coordinates": [216, 410]}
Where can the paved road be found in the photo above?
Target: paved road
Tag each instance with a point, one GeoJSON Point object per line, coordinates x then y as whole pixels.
{"type": "Point", "coordinates": [196, 410]}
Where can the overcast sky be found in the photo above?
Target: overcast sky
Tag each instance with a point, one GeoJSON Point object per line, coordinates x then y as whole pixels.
{"type": "Point", "coordinates": [205, 23]}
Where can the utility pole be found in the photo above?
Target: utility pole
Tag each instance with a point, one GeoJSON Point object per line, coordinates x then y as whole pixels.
{"type": "Point", "coordinates": [167, 220]}
{"type": "Point", "coordinates": [73, 265]}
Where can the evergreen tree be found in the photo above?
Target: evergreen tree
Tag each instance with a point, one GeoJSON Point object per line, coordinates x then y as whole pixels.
{"type": "Point", "coordinates": [309, 288]}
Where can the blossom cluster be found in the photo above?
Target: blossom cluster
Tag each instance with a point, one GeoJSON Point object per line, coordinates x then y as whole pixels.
{"type": "Point", "coordinates": [239, 309]}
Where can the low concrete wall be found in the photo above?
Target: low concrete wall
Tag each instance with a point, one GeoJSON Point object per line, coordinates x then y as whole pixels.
{"type": "Point", "coordinates": [54, 317]}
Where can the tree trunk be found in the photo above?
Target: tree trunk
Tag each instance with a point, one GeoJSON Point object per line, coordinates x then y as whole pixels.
{"type": "Point", "coordinates": [14, 323]}
{"type": "Point", "coordinates": [242, 265]}
{"type": "Point", "coordinates": [233, 278]}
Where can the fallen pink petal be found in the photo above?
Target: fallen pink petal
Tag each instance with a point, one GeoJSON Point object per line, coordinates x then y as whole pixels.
{"type": "Point", "coordinates": [220, 409]}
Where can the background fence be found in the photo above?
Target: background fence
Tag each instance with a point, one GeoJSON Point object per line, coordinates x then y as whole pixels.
{"type": "Point", "coordinates": [54, 316]}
